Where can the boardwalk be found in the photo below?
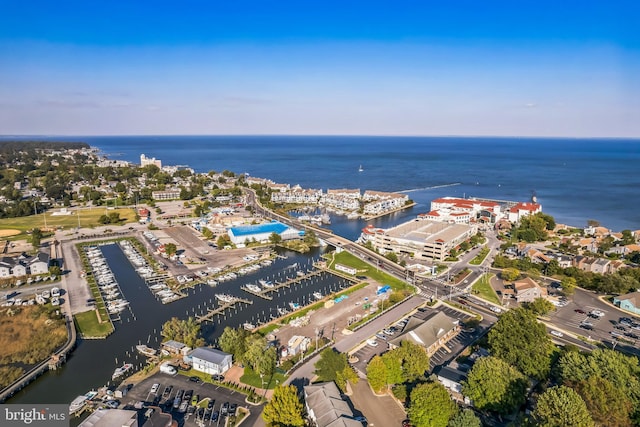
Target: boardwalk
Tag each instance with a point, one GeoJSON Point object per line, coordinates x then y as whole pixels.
{"type": "Point", "coordinates": [216, 311]}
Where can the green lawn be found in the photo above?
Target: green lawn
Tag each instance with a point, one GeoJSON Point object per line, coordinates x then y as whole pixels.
{"type": "Point", "coordinates": [89, 327]}
{"type": "Point", "coordinates": [253, 379]}
{"type": "Point", "coordinates": [88, 219]}
{"type": "Point", "coordinates": [484, 290]}
{"type": "Point", "coordinates": [370, 271]}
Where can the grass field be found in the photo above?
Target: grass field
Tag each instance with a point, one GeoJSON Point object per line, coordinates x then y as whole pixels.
{"type": "Point", "coordinates": [88, 219]}
{"type": "Point", "coordinates": [365, 269]}
{"type": "Point", "coordinates": [253, 379]}
{"type": "Point", "coordinates": [484, 290]}
{"type": "Point", "coordinates": [89, 326]}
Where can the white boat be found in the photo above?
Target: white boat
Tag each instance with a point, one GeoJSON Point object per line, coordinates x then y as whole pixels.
{"type": "Point", "coordinates": [294, 305]}
{"type": "Point", "coordinates": [145, 350]}
{"type": "Point", "coordinates": [317, 295]}
{"type": "Point", "coordinates": [282, 311]}
{"type": "Point", "coordinates": [253, 288]}
{"type": "Point", "coordinates": [77, 404]}
{"type": "Point", "coordinates": [121, 370]}
{"type": "Point", "coordinates": [300, 273]}
{"type": "Point", "coordinates": [266, 283]}
{"type": "Point", "coordinates": [225, 297]}
{"type": "Point", "coordinates": [360, 169]}
{"type": "Point", "coordinates": [249, 326]}
{"type": "Point", "coordinates": [212, 282]}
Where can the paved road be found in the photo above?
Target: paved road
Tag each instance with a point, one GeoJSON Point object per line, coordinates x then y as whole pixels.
{"type": "Point", "coordinates": [380, 411]}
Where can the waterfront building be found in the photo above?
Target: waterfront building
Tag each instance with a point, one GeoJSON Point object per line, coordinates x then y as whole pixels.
{"type": "Point", "coordinates": [297, 195]}
{"type": "Point", "coordinates": [297, 344]}
{"type": "Point", "coordinates": [326, 407]}
{"type": "Point", "coordinates": [430, 333]}
{"type": "Point", "coordinates": [423, 239]}
{"type": "Point", "coordinates": [145, 161]}
{"type": "Point", "coordinates": [111, 418]}
{"type": "Point", "coordinates": [211, 361]}
{"type": "Point", "coordinates": [377, 202]}
{"type": "Point", "coordinates": [262, 232]}
{"type": "Point", "coordinates": [343, 199]}
{"type": "Point", "coordinates": [516, 212]}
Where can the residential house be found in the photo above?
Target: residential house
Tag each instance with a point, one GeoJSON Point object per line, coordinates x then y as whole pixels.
{"type": "Point", "coordinates": [452, 379]}
{"type": "Point", "coordinates": [173, 347]}
{"type": "Point", "coordinates": [431, 333]}
{"type": "Point", "coordinates": [211, 361]}
{"type": "Point", "coordinates": [326, 407]}
{"type": "Point", "coordinates": [527, 290]}
{"type": "Point", "coordinates": [629, 302]}
{"type": "Point", "coordinates": [24, 265]}
{"type": "Point", "coordinates": [516, 212]}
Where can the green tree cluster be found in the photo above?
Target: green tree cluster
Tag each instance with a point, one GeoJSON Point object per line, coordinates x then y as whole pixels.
{"type": "Point", "coordinates": [495, 385]}
{"type": "Point", "coordinates": [333, 366]}
{"type": "Point", "coordinates": [559, 407]}
{"type": "Point", "coordinates": [284, 409]}
{"type": "Point", "coordinates": [518, 339]}
{"type": "Point", "coordinates": [184, 331]}
{"type": "Point", "coordinates": [250, 349]}
{"type": "Point", "coordinates": [431, 405]}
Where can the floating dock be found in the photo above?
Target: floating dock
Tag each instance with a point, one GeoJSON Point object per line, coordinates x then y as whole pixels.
{"type": "Point", "coordinates": [221, 309]}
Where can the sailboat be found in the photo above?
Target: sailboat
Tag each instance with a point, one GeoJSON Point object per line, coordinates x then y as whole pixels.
{"type": "Point", "coordinates": [360, 169]}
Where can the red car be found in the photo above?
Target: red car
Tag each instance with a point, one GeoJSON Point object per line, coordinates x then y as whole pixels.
{"type": "Point", "coordinates": [577, 310]}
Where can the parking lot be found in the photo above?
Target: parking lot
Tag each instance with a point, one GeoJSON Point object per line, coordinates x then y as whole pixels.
{"type": "Point", "coordinates": [607, 327]}
{"type": "Point", "coordinates": [185, 414]}
{"type": "Point", "coordinates": [442, 356]}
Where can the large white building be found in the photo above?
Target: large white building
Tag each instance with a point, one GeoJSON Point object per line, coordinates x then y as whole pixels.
{"type": "Point", "coordinates": [211, 361]}
{"type": "Point", "coordinates": [262, 232]}
{"type": "Point", "coordinates": [423, 239]}
{"type": "Point", "coordinates": [144, 161]}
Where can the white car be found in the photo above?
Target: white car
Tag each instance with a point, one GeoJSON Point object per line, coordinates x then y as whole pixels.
{"type": "Point", "coordinates": [372, 342]}
{"type": "Point", "coordinates": [557, 334]}
{"type": "Point", "coordinates": [597, 313]}
{"type": "Point", "coordinates": [154, 388]}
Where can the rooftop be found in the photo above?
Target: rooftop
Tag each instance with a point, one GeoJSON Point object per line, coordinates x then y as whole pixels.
{"type": "Point", "coordinates": [271, 227]}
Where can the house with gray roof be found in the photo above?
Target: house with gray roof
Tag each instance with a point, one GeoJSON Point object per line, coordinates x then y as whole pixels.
{"type": "Point", "coordinates": [430, 333]}
{"type": "Point", "coordinates": [211, 361]}
{"type": "Point", "coordinates": [326, 407]}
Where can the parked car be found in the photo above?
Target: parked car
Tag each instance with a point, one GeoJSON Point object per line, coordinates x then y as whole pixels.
{"type": "Point", "coordinates": [557, 334]}
{"type": "Point", "coordinates": [224, 408]}
{"type": "Point", "coordinates": [154, 388]}
{"type": "Point", "coordinates": [214, 416]}
{"type": "Point", "coordinates": [381, 336]}
{"type": "Point", "coordinates": [217, 377]}
{"type": "Point", "coordinates": [112, 404]}
{"type": "Point", "coordinates": [371, 342]}
{"type": "Point", "coordinates": [195, 379]}
{"type": "Point", "coordinates": [579, 311]}
{"type": "Point", "coordinates": [232, 408]}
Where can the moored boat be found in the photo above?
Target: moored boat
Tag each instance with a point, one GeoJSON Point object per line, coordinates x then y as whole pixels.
{"type": "Point", "coordinates": [249, 326]}
{"type": "Point", "coordinates": [317, 295]}
{"type": "Point", "coordinates": [121, 371]}
{"type": "Point", "coordinates": [145, 350]}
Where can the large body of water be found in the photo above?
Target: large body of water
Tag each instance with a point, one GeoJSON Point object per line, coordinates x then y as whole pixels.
{"type": "Point", "coordinates": [574, 179]}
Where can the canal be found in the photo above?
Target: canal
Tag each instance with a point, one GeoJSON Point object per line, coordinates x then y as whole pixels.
{"type": "Point", "coordinates": [91, 364]}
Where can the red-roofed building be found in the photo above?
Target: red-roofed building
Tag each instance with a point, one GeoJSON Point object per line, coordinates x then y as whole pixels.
{"type": "Point", "coordinates": [522, 209]}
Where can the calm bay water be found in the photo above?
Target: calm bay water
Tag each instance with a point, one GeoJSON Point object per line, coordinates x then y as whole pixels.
{"type": "Point", "coordinates": [574, 179]}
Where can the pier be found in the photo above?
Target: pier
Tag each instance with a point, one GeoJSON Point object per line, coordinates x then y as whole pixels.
{"type": "Point", "coordinates": [262, 294]}
{"type": "Point", "coordinates": [216, 311]}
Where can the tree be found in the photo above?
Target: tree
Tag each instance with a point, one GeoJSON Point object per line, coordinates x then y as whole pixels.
{"type": "Point", "coordinates": [36, 237]}
{"type": "Point", "coordinates": [391, 256]}
{"type": "Point", "coordinates": [495, 385]}
{"type": "Point", "coordinates": [333, 366]}
{"type": "Point", "coordinates": [540, 306]}
{"type": "Point", "coordinates": [465, 418]}
{"type": "Point", "coordinates": [430, 405]}
{"type": "Point", "coordinates": [233, 340]}
{"type": "Point", "coordinates": [415, 361]}
{"type": "Point", "coordinates": [223, 240]}
{"type": "Point", "coordinates": [568, 285]}
{"type": "Point", "coordinates": [377, 374]}
{"type": "Point", "coordinates": [256, 346]}
{"type": "Point", "coordinates": [184, 331]}
{"type": "Point", "coordinates": [284, 409]}
{"type": "Point", "coordinates": [267, 362]}
{"type": "Point", "coordinates": [561, 406]}
{"type": "Point", "coordinates": [170, 249]}
{"type": "Point", "coordinates": [609, 406]}
{"type": "Point", "coordinates": [393, 367]}
{"type": "Point", "coordinates": [518, 339]}
{"type": "Point", "coordinates": [275, 238]}
{"type": "Point", "coordinates": [510, 274]}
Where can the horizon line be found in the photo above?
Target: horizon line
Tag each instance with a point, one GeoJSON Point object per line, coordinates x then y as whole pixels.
{"type": "Point", "coordinates": [5, 136]}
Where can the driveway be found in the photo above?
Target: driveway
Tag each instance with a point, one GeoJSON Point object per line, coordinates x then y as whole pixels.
{"type": "Point", "coordinates": [380, 411]}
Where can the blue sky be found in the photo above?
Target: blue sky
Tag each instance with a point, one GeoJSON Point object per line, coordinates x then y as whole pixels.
{"type": "Point", "coordinates": [320, 67]}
